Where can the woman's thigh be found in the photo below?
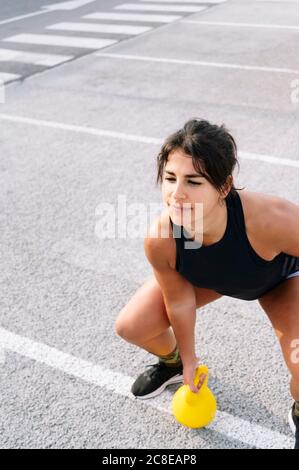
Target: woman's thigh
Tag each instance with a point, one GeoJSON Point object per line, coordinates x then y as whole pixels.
{"type": "Point", "coordinates": [145, 314]}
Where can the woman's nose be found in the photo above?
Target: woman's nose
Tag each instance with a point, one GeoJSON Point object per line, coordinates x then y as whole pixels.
{"type": "Point", "coordinates": [178, 192]}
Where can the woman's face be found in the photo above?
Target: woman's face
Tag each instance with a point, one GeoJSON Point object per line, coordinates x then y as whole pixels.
{"type": "Point", "coordinates": [184, 191]}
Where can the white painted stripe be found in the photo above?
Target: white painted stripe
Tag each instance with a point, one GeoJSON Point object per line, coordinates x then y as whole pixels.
{"type": "Point", "coordinates": [269, 159]}
{"type": "Point", "coordinates": [138, 6]}
{"type": "Point", "coordinates": [7, 77]}
{"type": "Point", "coordinates": [100, 28]}
{"type": "Point", "coordinates": [183, 1]}
{"type": "Point", "coordinates": [132, 17]}
{"type": "Point", "coordinates": [71, 5]}
{"type": "Point", "coordinates": [80, 129]}
{"type": "Point", "coordinates": [279, 1]}
{"type": "Point", "coordinates": [65, 41]}
{"type": "Point", "coordinates": [120, 384]}
{"type": "Point", "coordinates": [48, 8]}
{"type": "Point", "coordinates": [198, 63]}
{"type": "Point", "coordinates": [48, 60]}
{"type": "Point", "coordinates": [135, 138]}
{"type": "Point", "coordinates": [242, 25]}
{"type": "Point", "coordinates": [22, 17]}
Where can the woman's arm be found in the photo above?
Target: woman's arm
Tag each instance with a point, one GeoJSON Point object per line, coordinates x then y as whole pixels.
{"type": "Point", "coordinates": [178, 294]}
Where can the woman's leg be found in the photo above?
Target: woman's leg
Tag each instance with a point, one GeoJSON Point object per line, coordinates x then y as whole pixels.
{"type": "Point", "coordinates": [281, 304]}
{"type": "Point", "coordinates": [144, 321]}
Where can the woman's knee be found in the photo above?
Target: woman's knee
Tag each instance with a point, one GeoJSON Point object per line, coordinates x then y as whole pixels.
{"type": "Point", "coordinates": [122, 324]}
{"type": "Point", "coordinates": [144, 316]}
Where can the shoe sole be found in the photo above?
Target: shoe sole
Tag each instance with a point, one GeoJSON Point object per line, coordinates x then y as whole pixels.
{"type": "Point", "coordinates": [291, 422]}
{"type": "Point", "coordinates": [174, 380]}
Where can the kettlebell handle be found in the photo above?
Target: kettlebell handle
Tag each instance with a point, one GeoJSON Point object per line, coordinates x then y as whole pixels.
{"type": "Point", "coordinates": [201, 369]}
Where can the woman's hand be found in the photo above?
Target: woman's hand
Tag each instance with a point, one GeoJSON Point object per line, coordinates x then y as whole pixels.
{"type": "Point", "coordinates": [189, 370]}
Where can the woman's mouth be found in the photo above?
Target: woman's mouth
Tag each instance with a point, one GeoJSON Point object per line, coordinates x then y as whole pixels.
{"type": "Point", "coordinates": [180, 209]}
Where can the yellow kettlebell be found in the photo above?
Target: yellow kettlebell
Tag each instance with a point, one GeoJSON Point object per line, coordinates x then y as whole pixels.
{"type": "Point", "coordinates": [195, 410]}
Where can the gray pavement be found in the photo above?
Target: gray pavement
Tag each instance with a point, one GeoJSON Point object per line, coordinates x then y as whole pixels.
{"type": "Point", "coordinates": [63, 287]}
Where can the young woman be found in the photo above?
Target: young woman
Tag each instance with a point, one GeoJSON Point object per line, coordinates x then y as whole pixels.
{"type": "Point", "coordinates": [247, 248]}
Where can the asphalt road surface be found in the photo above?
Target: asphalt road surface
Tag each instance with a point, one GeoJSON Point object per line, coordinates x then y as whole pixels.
{"type": "Point", "coordinates": [85, 107]}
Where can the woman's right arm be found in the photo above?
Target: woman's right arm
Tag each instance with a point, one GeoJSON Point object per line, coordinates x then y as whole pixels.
{"type": "Point", "coordinates": [180, 302]}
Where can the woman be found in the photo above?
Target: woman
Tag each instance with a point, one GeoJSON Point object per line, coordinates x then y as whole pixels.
{"type": "Point", "coordinates": [243, 245]}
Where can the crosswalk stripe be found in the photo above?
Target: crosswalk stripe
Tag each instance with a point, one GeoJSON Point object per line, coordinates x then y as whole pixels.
{"type": "Point", "coordinates": [168, 7]}
{"type": "Point", "coordinates": [100, 28]}
{"type": "Point", "coordinates": [48, 60]}
{"type": "Point", "coordinates": [65, 41]}
{"type": "Point", "coordinates": [69, 5]}
{"type": "Point", "coordinates": [132, 17]}
{"type": "Point", "coordinates": [7, 77]}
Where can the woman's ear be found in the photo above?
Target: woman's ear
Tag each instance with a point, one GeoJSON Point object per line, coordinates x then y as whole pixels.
{"type": "Point", "coordinates": [228, 185]}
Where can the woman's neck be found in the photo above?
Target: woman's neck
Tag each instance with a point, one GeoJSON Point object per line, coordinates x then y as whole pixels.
{"type": "Point", "coordinates": [213, 228]}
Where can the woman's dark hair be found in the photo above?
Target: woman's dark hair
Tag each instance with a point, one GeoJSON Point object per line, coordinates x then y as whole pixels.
{"type": "Point", "coordinates": [212, 148]}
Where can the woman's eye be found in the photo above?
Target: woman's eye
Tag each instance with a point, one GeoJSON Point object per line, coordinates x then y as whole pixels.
{"type": "Point", "coordinates": [191, 182]}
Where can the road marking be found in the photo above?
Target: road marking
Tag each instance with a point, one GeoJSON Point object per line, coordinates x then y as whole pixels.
{"type": "Point", "coordinates": [80, 129]}
{"type": "Point", "coordinates": [48, 8]}
{"type": "Point", "coordinates": [65, 41]}
{"type": "Point", "coordinates": [71, 5]}
{"type": "Point", "coordinates": [7, 77]}
{"type": "Point", "coordinates": [138, 6]}
{"type": "Point", "coordinates": [199, 63]}
{"type": "Point", "coordinates": [241, 25]}
{"type": "Point", "coordinates": [100, 28]}
{"type": "Point", "coordinates": [47, 60]}
{"type": "Point", "coordinates": [184, 1]}
{"type": "Point", "coordinates": [120, 384]}
{"type": "Point", "coordinates": [22, 17]}
{"type": "Point", "coordinates": [279, 1]}
{"type": "Point", "coordinates": [132, 17]}
{"type": "Point", "coordinates": [135, 138]}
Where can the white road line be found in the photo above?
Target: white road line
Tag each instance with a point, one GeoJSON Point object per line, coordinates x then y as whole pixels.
{"type": "Point", "coordinates": [70, 5]}
{"type": "Point", "coordinates": [228, 425]}
{"type": "Point", "coordinates": [199, 63]}
{"type": "Point", "coordinates": [65, 41]}
{"type": "Point", "coordinates": [100, 28]}
{"type": "Point", "coordinates": [184, 1]}
{"type": "Point", "coordinates": [242, 25]}
{"type": "Point", "coordinates": [80, 129]}
{"type": "Point", "coordinates": [138, 6]}
{"type": "Point", "coordinates": [22, 17]}
{"type": "Point", "coordinates": [269, 159]}
{"type": "Point", "coordinates": [48, 8]}
{"type": "Point", "coordinates": [132, 17]}
{"type": "Point", "coordinates": [47, 60]}
{"type": "Point", "coordinates": [279, 1]}
{"type": "Point", "coordinates": [135, 138]}
{"type": "Point", "coordinates": [7, 77]}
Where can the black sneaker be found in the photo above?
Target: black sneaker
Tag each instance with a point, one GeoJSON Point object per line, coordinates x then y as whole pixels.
{"type": "Point", "coordinates": [294, 424]}
{"type": "Point", "coordinates": [154, 380]}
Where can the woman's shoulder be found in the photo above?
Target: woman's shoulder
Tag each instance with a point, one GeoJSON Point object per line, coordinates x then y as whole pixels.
{"type": "Point", "coordinates": [259, 208]}
{"type": "Point", "coordinates": [160, 238]}
{"type": "Point", "coordinates": [263, 216]}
